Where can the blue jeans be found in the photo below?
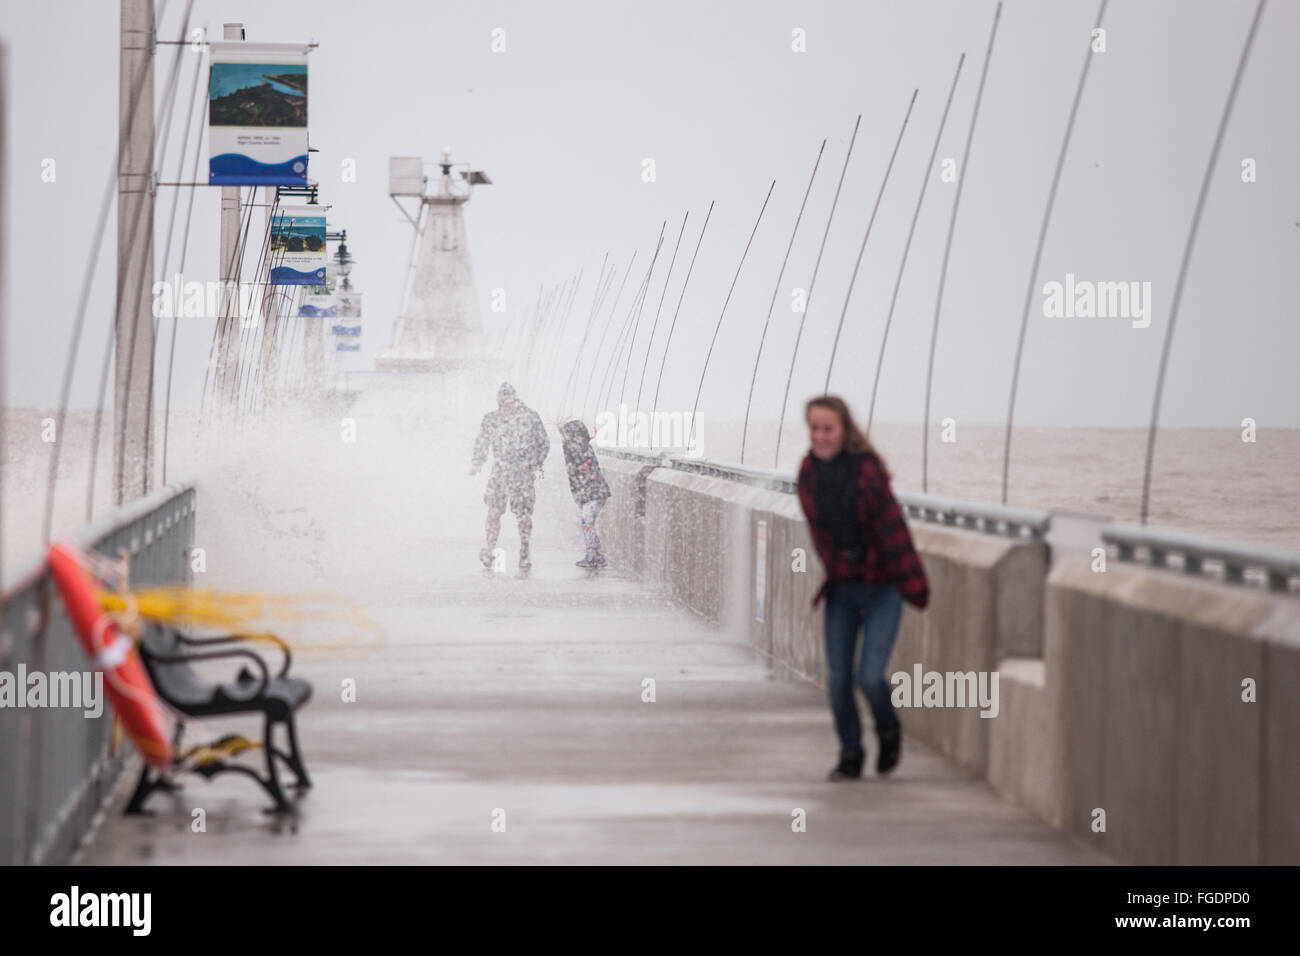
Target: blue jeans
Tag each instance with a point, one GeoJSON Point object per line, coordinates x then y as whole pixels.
{"type": "Point", "coordinates": [874, 610]}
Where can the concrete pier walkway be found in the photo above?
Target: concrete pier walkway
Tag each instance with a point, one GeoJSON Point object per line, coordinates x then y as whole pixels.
{"type": "Point", "coordinates": [499, 698]}
{"type": "Point", "coordinates": [496, 698]}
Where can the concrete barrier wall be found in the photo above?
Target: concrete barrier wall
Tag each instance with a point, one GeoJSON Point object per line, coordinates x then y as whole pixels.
{"type": "Point", "coordinates": [1137, 710]}
{"type": "Point", "coordinates": [1118, 691]}
{"type": "Point", "coordinates": [978, 606]}
{"type": "Point", "coordinates": [699, 539]}
{"type": "Point", "coordinates": [699, 542]}
{"type": "Point", "coordinates": [621, 524]}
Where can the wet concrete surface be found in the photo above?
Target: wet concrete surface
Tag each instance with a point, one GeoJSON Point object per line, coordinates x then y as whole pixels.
{"type": "Point", "coordinates": [502, 720]}
{"type": "Point", "coordinates": [491, 699]}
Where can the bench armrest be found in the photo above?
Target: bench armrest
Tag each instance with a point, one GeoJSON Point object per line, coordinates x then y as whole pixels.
{"type": "Point", "coordinates": [234, 638]}
{"type": "Point", "coordinates": [218, 655]}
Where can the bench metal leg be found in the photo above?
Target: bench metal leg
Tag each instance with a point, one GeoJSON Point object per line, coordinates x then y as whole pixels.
{"type": "Point", "coordinates": [149, 782]}
{"type": "Point", "coordinates": [295, 754]}
{"type": "Point", "coordinates": [272, 781]}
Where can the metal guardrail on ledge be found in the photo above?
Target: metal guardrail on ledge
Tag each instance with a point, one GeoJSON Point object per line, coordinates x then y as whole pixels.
{"type": "Point", "coordinates": [1201, 557]}
{"type": "Point", "coordinates": [757, 477]}
{"type": "Point", "coordinates": [971, 515]}
{"type": "Point", "coordinates": [644, 458]}
{"type": "Point", "coordinates": [56, 764]}
{"type": "Point", "coordinates": [1195, 555]}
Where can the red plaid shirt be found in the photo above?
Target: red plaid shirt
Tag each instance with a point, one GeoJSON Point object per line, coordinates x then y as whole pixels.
{"type": "Point", "coordinates": [890, 555]}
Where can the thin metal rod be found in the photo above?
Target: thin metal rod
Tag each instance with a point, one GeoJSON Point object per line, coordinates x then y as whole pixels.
{"type": "Point", "coordinates": [530, 333]}
{"type": "Point", "coordinates": [604, 332]}
{"type": "Point", "coordinates": [123, 414]}
{"type": "Point", "coordinates": [198, 183]}
{"type": "Point", "coordinates": [523, 361]}
{"type": "Point", "coordinates": [699, 389]}
{"type": "Point", "coordinates": [616, 352]}
{"type": "Point", "coordinates": [234, 269]}
{"type": "Point", "coordinates": [803, 317]}
{"type": "Point", "coordinates": [604, 394]}
{"type": "Point", "coordinates": [776, 289]}
{"type": "Point", "coordinates": [634, 318]}
{"type": "Point", "coordinates": [645, 361]}
{"type": "Point", "coordinates": [518, 328]}
{"type": "Point", "coordinates": [519, 325]}
{"type": "Point", "coordinates": [101, 225]}
{"type": "Point", "coordinates": [171, 359]}
{"type": "Point", "coordinates": [602, 282]}
{"type": "Point", "coordinates": [636, 326]}
{"type": "Point", "coordinates": [602, 290]}
{"type": "Point", "coordinates": [560, 335]}
{"type": "Point", "coordinates": [663, 359]}
{"type": "Point", "coordinates": [871, 221]}
{"type": "Point", "coordinates": [204, 43]}
{"type": "Point", "coordinates": [167, 248]}
{"type": "Point", "coordinates": [1187, 254]}
{"type": "Point", "coordinates": [240, 372]}
{"type": "Point", "coordinates": [611, 372]}
{"type": "Point", "coordinates": [544, 331]}
{"type": "Point", "coordinates": [251, 379]}
{"type": "Point", "coordinates": [217, 327]}
{"type": "Point", "coordinates": [1038, 249]}
{"type": "Point", "coordinates": [947, 250]}
{"type": "Point", "coordinates": [911, 231]}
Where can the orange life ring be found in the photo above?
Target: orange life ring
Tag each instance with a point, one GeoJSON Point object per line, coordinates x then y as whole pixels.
{"type": "Point", "coordinates": [114, 654]}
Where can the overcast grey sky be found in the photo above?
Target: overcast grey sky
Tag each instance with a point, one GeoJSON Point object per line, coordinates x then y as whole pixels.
{"type": "Point", "coordinates": [715, 95]}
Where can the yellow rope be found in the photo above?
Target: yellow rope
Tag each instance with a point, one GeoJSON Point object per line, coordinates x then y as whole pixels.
{"type": "Point", "coordinates": [221, 750]}
{"type": "Point", "coordinates": [247, 615]}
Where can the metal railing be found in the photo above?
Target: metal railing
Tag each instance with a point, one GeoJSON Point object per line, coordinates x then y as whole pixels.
{"type": "Point", "coordinates": [57, 765]}
{"type": "Point", "coordinates": [934, 509]}
{"type": "Point", "coordinates": [989, 518]}
{"type": "Point", "coordinates": [768, 478]}
{"type": "Point", "coordinates": [640, 457]}
{"type": "Point", "coordinates": [1224, 561]}
{"type": "Point", "coordinates": [1204, 557]}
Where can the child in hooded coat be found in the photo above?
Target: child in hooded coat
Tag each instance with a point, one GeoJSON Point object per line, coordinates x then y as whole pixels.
{"type": "Point", "coordinates": [588, 485]}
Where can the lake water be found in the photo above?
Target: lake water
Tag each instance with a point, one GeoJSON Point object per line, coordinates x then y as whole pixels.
{"type": "Point", "coordinates": [1205, 480]}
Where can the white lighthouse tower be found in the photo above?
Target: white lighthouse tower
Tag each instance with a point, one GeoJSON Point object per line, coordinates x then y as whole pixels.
{"type": "Point", "coordinates": [438, 326]}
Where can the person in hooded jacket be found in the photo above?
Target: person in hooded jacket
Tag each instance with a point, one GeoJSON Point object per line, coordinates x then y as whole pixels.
{"type": "Point", "coordinates": [515, 435]}
{"type": "Point", "coordinates": [590, 490]}
{"type": "Point", "coordinates": [871, 566]}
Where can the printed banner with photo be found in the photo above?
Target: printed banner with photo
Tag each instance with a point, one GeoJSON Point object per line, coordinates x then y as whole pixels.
{"type": "Point", "coordinates": [257, 114]}
{"type": "Point", "coordinates": [298, 251]}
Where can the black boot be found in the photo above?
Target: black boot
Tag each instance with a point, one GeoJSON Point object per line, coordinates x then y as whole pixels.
{"type": "Point", "coordinates": [891, 741]}
{"type": "Point", "coordinates": [849, 767]}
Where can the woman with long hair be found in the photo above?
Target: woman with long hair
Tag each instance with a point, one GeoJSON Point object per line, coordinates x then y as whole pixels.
{"type": "Point", "coordinates": [871, 568]}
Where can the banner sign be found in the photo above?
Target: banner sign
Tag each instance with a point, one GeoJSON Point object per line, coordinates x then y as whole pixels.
{"type": "Point", "coordinates": [257, 114]}
{"type": "Point", "coordinates": [298, 250]}
{"type": "Point", "coordinates": [341, 305]}
{"type": "Point", "coordinates": [324, 306]}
